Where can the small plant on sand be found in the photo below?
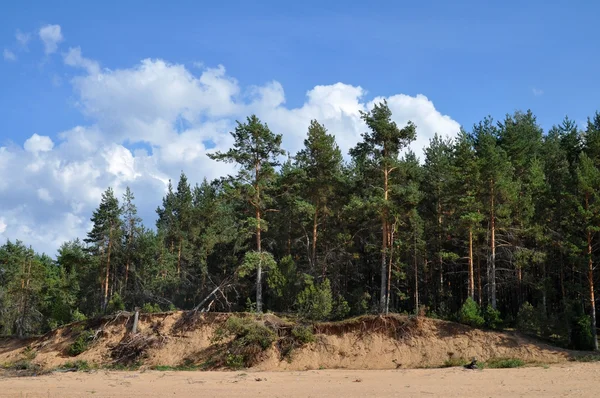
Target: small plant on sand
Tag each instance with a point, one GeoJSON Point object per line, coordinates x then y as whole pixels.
{"type": "Point", "coordinates": [78, 366]}
{"type": "Point", "coordinates": [454, 361]}
{"type": "Point", "coordinates": [502, 363]}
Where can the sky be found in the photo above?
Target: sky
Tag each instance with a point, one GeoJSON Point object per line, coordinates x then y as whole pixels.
{"type": "Point", "coordinates": [132, 93]}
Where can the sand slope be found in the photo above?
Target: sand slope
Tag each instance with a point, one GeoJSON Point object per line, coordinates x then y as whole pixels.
{"type": "Point", "coordinates": [365, 343]}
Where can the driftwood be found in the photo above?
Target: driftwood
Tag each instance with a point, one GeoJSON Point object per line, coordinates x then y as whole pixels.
{"type": "Point", "coordinates": [136, 318]}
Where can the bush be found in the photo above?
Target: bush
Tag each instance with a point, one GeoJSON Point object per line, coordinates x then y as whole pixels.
{"type": "Point", "coordinates": [501, 363]}
{"type": "Point", "coordinates": [151, 308]}
{"type": "Point", "coordinates": [528, 320]}
{"type": "Point", "coordinates": [81, 343]}
{"type": "Point", "coordinates": [115, 304]}
{"type": "Point", "coordinates": [77, 366]}
{"type": "Point", "coordinates": [303, 334]}
{"type": "Point", "coordinates": [315, 301]}
{"type": "Point", "coordinates": [341, 309]}
{"type": "Point", "coordinates": [470, 315]}
{"type": "Point", "coordinates": [581, 333]}
{"type": "Point", "coordinates": [250, 338]}
{"type": "Point", "coordinates": [77, 316]}
{"type": "Point", "coordinates": [492, 318]}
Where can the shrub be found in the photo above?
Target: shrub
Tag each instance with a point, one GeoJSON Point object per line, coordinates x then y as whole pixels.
{"type": "Point", "coordinates": [315, 301]}
{"type": "Point", "coordinates": [151, 308]}
{"type": "Point", "coordinates": [81, 343]}
{"type": "Point", "coordinates": [470, 315]}
{"type": "Point", "coordinates": [250, 338]}
{"type": "Point", "coordinates": [77, 316]}
{"type": "Point", "coordinates": [500, 363]}
{"type": "Point", "coordinates": [492, 318]}
{"type": "Point", "coordinates": [341, 309]}
{"type": "Point", "coordinates": [115, 304]}
{"type": "Point", "coordinates": [581, 333]}
{"type": "Point", "coordinates": [303, 334]}
{"type": "Point", "coordinates": [77, 366]}
{"type": "Point", "coordinates": [528, 320]}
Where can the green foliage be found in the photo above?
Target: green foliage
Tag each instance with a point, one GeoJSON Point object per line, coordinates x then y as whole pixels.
{"type": "Point", "coordinates": [341, 308]}
{"type": "Point", "coordinates": [248, 339]}
{"type": "Point", "coordinates": [77, 316]}
{"type": "Point", "coordinates": [151, 308]}
{"type": "Point", "coordinates": [115, 304]}
{"type": "Point", "coordinates": [470, 314]}
{"type": "Point", "coordinates": [492, 318]}
{"type": "Point", "coordinates": [501, 363]}
{"type": "Point", "coordinates": [581, 334]}
{"type": "Point", "coordinates": [78, 366]}
{"type": "Point", "coordinates": [303, 334]}
{"type": "Point", "coordinates": [528, 320]}
{"type": "Point", "coordinates": [81, 343]}
{"type": "Point", "coordinates": [315, 301]}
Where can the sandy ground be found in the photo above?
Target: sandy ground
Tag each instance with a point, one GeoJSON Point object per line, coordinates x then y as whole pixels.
{"type": "Point", "coordinates": [564, 380]}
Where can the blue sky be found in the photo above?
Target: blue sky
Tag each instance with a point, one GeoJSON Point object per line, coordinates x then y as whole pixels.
{"type": "Point", "coordinates": [467, 59]}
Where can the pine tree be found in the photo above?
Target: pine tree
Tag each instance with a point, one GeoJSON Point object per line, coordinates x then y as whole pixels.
{"type": "Point", "coordinates": [321, 160]}
{"type": "Point", "coordinates": [466, 182]}
{"type": "Point", "coordinates": [255, 150]}
{"type": "Point", "coordinates": [104, 236]}
{"type": "Point", "coordinates": [379, 151]}
{"type": "Point", "coordinates": [131, 226]}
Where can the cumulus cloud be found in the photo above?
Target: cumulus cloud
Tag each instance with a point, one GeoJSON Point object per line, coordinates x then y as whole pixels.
{"type": "Point", "coordinates": [537, 92]}
{"type": "Point", "coordinates": [153, 120]}
{"type": "Point", "coordinates": [38, 143]}
{"type": "Point", "coordinates": [9, 55]}
{"type": "Point", "coordinates": [51, 35]}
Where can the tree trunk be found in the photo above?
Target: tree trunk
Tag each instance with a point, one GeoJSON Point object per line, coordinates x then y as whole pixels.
{"type": "Point", "coordinates": [384, 243]}
{"type": "Point", "coordinates": [591, 280]}
{"type": "Point", "coordinates": [389, 270]}
{"type": "Point", "coordinates": [313, 254]}
{"type": "Point", "coordinates": [107, 277]}
{"type": "Point", "coordinates": [416, 266]}
{"type": "Point", "coordinates": [479, 288]}
{"type": "Point", "coordinates": [179, 257]}
{"type": "Point", "coordinates": [258, 244]}
{"type": "Point", "coordinates": [493, 243]}
{"type": "Point", "coordinates": [440, 259]}
{"type": "Point", "coordinates": [471, 277]}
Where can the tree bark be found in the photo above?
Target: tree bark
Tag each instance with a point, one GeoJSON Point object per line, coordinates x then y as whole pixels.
{"type": "Point", "coordinates": [471, 276]}
{"type": "Point", "coordinates": [258, 243]}
{"type": "Point", "coordinates": [384, 243]}
{"type": "Point", "coordinates": [591, 280]}
{"type": "Point", "coordinates": [389, 270]}
{"type": "Point", "coordinates": [493, 243]}
{"type": "Point", "coordinates": [107, 277]}
{"type": "Point", "coordinates": [179, 257]}
{"type": "Point", "coordinates": [416, 275]}
{"type": "Point", "coordinates": [313, 254]}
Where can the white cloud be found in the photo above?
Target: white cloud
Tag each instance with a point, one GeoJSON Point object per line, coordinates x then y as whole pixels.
{"type": "Point", "coordinates": [172, 116]}
{"type": "Point", "coordinates": [2, 225]}
{"type": "Point", "coordinates": [74, 58]}
{"type": "Point", "coordinates": [537, 92]}
{"type": "Point", "coordinates": [51, 35]}
{"type": "Point", "coordinates": [44, 195]}
{"type": "Point", "coordinates": [9, 55]}
{"type": "Point", "coordinates": [38, 143]}
{"type": "Point", "coordinates": [23, 38]}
